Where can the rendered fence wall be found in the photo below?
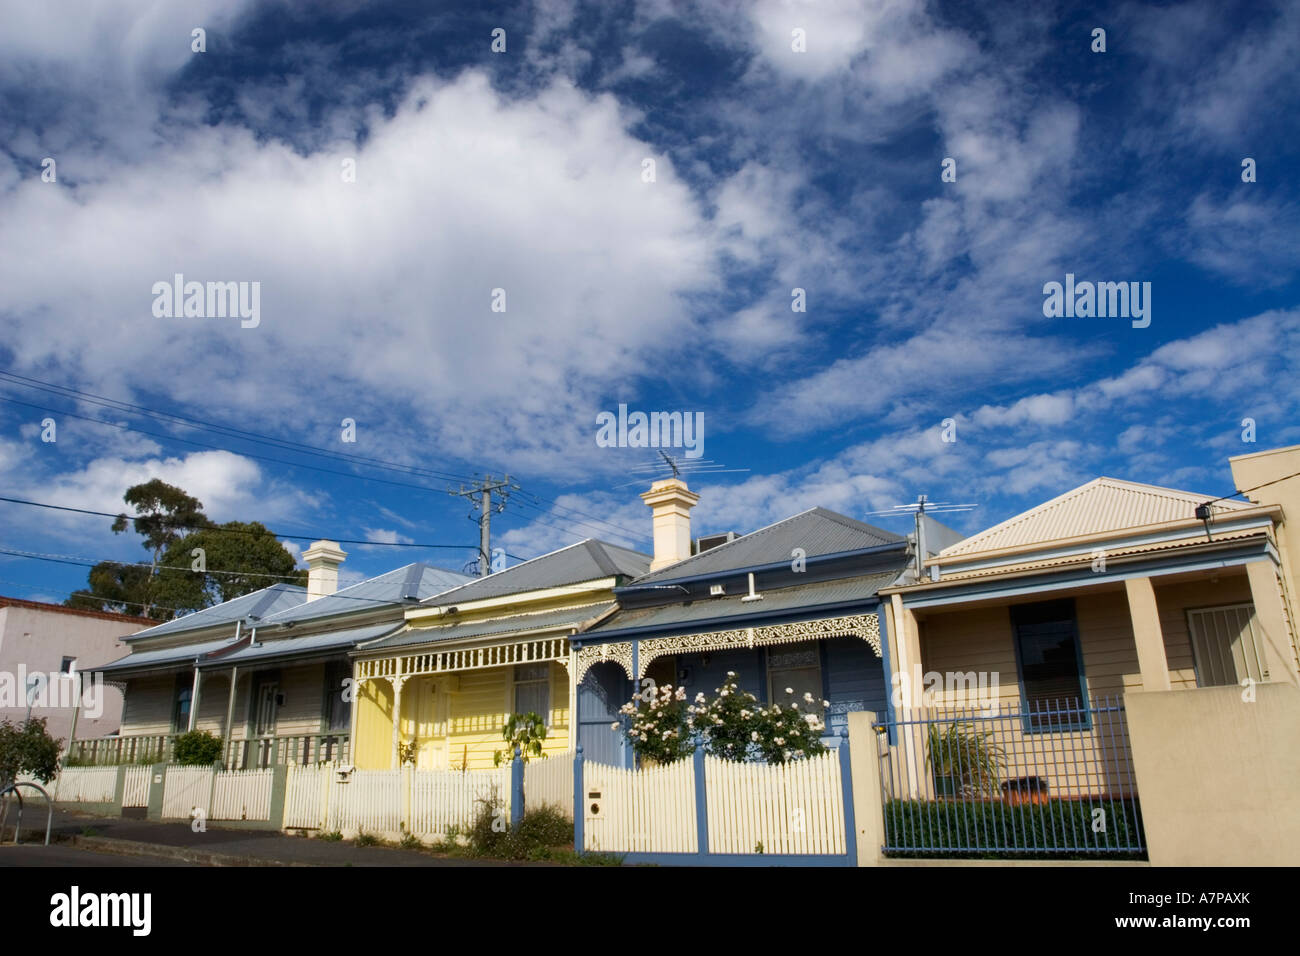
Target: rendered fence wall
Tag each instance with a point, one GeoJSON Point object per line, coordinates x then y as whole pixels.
{"type": "Point", "coordinates": [86, 785]}
{"type": "Point", "coordinates": [242, 795]}
{"type": "Point", "coordinates": [640, 811]}
{"type": "Point", "coordinates": [184, 789]}
{"type": "Point", "coordinates": [135, 793]}
{"type": "Point", "coordinates": [444, 798]}
{"type": "Point", "coordinates": [790, 808]}
{"type": "Point", "coordinates": [549, 782]}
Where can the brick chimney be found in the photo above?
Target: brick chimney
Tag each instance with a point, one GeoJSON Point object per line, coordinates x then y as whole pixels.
{"type": "Point", "coordinates": [323, 559]}
{"type": "Point", "coordinates": [670, 503]}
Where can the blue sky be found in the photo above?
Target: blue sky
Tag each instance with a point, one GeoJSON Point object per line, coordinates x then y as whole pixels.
{"type": "Point", "coordinates": [775, 170]}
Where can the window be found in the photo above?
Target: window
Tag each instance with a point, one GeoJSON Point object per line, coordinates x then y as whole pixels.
{"type": "Point", "coordinates": [1051, 667]}
{"type": "Point", "coordinates": [181, 704]}
{"type": "Point", "coordinates": [533, 690]}
{"type": "Point", "coordinates": [338, 712]}
{"type": "Point", "coordinates": [801, 671]}
{"type": "Point", "coordinates": [66, 666]}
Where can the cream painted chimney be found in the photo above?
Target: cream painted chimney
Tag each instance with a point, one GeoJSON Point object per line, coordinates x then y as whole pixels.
{"type": "Point", "coordinates": [323, 559]}
{"type": "Point", "coordinates": [670, 503]}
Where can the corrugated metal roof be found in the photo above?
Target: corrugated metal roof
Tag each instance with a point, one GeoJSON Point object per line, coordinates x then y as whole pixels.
{"type": "Point", "coordinates": [1087, 558]}
{"type": "Point", "coordinates": [308, 643]}
{"type": "Point", "coordinates": [672, 618]}
{"type": "Point", "coordinates": [186, 653]}
{"type": "Point", "coordinates": [587, 560]}
{"type": "Point", "coordinates": [418, 580]}
{"type": "Point", "coordinates": [564, 617]}
{"type": "Point", "coordinates": [259, 604]}
{"type": "Point", "coordinates": [1101, 506]}
{"type": "Point", "coordinates": [817, 531]}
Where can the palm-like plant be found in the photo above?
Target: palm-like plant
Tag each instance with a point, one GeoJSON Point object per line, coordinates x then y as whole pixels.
{"type": "Point", "coordinates": [967, 756]}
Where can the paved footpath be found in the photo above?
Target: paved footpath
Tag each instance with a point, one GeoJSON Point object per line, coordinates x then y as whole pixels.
{"type": "Point", "coordinates": [178, 844]}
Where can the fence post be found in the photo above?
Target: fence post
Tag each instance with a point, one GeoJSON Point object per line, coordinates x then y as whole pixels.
{"type": "Point", "coordinates": [516, 789]}
{"type": "Point", "coordinates": [846, 784]}
{"type": "Point", "coordinates": [863, 798]}
{"type": "Point", "coordinates": [579, 800]}
{"type": "Point", "coordinates": [408, 776]}
{"type": "Point", "coordinates": [327, 779]}
{"type": "Point", "coordinates": [701, 805]}
{"type": "Point", "coordinates": [279, 793]}
{"type": "Point", "coordinates": [119, 791]}
{"type": "Point", "coordinates": [157, 784]}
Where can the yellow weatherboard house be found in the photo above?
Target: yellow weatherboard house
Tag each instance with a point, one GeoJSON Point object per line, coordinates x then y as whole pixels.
{"type": "Point", "coordinates": [443, 687]}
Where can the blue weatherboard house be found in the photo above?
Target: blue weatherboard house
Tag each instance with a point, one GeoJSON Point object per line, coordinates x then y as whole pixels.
{"type": "Point", "coordinates": [793, 605]}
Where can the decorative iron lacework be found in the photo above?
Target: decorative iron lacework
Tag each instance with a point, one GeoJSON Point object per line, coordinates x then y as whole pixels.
{"type": "Point", "coordinates": [865, 626]}
{"type": "Point", "coordinates": [620, 653]}
{"type": "Point", "coordinates": [549, 649]}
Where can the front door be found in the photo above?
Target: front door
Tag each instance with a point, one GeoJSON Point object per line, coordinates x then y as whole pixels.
{"type": "Point", "coordinates": [265, 706]}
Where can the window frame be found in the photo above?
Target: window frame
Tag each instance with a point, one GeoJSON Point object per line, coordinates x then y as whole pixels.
{"type": "Point", "coordinates": [546, 683]}
{"type": "Point", "coordinates": [1027, 716]}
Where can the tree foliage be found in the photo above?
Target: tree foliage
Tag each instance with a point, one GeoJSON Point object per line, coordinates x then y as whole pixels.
{"type": "Point", "coordinates": [28, 749]}
{"type": "Point", "coordinates": [194, 562]}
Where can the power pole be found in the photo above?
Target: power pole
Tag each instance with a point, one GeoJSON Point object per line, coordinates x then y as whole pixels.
{"type": "Point", "coordinates": [481, 497]}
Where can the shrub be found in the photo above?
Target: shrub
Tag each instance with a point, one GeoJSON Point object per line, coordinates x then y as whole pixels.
{"type": "Point", "coordinates": [538, 832]}
{"type": "Point", "coordinates": [197, 748]}
{"type": "Point", "coordinates": [28, 750]}
{"type": "Point", "coordinates": [330, 836]}
{"type": "Point", "coordinates": [367, 839]}
{"type": "Point", "coordinates": [664, 729]}
{"type": "Point", "coordinates": [734, 725]}
{"type": "Point", "coordinates": [995, 830]}
{"type": "Point", "coordinates": [967, 756]}
{"type": "Point", "coordinates": [524, 732]}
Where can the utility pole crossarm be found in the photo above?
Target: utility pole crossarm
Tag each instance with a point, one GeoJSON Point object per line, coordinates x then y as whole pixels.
{"type": "Point", "coordinates": [481, 497]}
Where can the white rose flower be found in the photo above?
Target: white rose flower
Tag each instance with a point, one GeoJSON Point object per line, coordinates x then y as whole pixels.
{"type": "Point", "coordinates": [780, 741]}
{"type": "Point", "coordinates": [731, 673]}
{"type": "Point", "coordinates": [614, 725]}
{"type": "Point", "coordinates": [754, 735]}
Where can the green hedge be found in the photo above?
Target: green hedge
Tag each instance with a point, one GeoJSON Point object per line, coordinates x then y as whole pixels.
{"type": "Point", "coordinates": [1064, 827]}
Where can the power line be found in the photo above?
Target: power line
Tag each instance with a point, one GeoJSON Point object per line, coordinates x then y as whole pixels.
{"type": "Point", "coordinates": [300, 537]}
{"type": "Point", "coordinates": [228, 430]}
{"type": "Point", "coordinates": [199, 444]}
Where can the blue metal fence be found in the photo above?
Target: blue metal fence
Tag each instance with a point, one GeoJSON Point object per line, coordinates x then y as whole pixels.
{"type": "Point", "coordinates": [1001, 779]}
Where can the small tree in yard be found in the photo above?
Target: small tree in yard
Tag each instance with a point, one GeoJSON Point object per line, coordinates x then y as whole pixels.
{"type": "Point", "coordinates": [198, 748]}
{"type": "Point", "coordinates": [525, 731]}
{"type": "Point", "coordinates": [27, 750]}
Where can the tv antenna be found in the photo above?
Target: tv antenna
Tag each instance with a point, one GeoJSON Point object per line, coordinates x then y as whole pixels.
{"type": "Point", "coordinates": [676, 467]}
{"type": "Point", "coordinates": [922, 506]}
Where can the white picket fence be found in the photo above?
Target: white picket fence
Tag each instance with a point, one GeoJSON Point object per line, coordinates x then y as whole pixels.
{"type": "Point", "coordinates": [794, 808]}
{"type": "Point", "coordinates": [750, 808]}
{"type": "Point", "coordinates": [441, 799]}
{"type": "Point", "coordinates": [549, 781]}
{"type": "Point", "coordinates": [242, 795]}
{"type": "Point", "coordinates": [640, 811]}
{"type": "Point", "coordinates": [426, 803]}
{"type": "Point", "coordinates": [369, 800]}
{"type": "Point", "coordinates": [85, 785]}
{"type": "Point", "coordinates": [135, 790]}
{"type": "Point", "coordinates": [185, 789]}
{"type": "Point", "coordinates": [306, 796]}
